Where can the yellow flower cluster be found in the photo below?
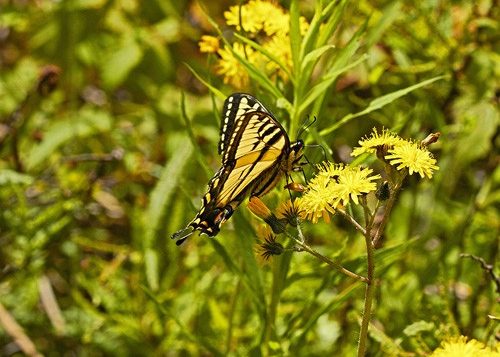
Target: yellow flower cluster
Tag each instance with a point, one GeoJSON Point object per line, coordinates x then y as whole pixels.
{"type": "Point", "coordinates": [460, 347]}
{"type": "Point", "coordinates": [403, 154]}
{"type": "Point", "coordinates": [264, 22]}
{"type": "Point", "coordinates": [335, 185]}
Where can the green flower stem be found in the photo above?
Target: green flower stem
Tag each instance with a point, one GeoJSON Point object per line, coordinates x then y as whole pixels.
{"type": "Point", "coordinates": [369, 292]}
{"type": "Point", "coordinates": [303, 246]}
{"type": "Point", "coordinates": [351, 220]}
{"type": "Point", "coordinates": [370, 262]}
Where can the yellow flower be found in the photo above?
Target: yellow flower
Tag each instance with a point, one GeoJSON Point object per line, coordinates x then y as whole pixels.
{"type": "Point", "coordinates": [290, 211]}
{"type": "Point", "coordinates": [258, 15]}
{"type": "Point", "coordinates": [228, 65]}
{"type": "Point", "coordinates": [279, 46]}
{"type": "Point", "coordinates": [268, 246]}
{"type": "Point", "coordinates": [334, 185]}
{"type": "Point", "coordinates": [316, 201]}
{"type": "Point", "coordinates": [209, 44]}
{"type": "Point", "coordinates": [460, 347]}
{"type": "Point", "coordinates": [251, 22]}
{"type": "Point", "coordinates": [266, 23]}
{"type": "Point", "coordinates": [353, 182]}
{"type": "Point", "coordinates": [370, 144]}
{"type": "Point", "coordinates": [411, 156]}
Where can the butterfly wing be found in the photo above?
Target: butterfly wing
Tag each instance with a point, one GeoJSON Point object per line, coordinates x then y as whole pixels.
{"type": "Point", "coordinates": [254, 147]}
{"type": "Point", "coordinates": [234, 109]}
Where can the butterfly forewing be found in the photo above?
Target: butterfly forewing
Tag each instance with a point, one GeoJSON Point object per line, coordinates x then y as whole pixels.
{"type": "Point", "coordinates": [235, 107]}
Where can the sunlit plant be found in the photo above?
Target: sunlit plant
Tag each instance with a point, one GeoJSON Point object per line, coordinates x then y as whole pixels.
{"type": "Point", "coordinates": [293, 62]}
{"type": "Point", "coordinates": [336, 187]}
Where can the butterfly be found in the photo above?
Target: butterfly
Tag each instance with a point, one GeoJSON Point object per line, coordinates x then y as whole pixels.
{"type": "Point", "coordinates": [256, 152]}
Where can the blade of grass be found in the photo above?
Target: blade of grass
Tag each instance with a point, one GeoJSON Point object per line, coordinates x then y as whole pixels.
{"type": "Point", "coordinates": [195, 338]}
{"type": "Point", "coordinates": [254, 295]}
{"type": "Point", "coordinates": [311, 319]}
{"type": "Point", "coordinates": [331, 25]}
{"type": "Point", "coordinates": [159, 199]}
{"type": "Point", "coordinates": [194, 142]}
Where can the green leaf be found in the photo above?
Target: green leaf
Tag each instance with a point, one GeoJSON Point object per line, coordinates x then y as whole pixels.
{"type": "Point", "coordinates": [81, 124]}
{"type": "Point", "coordinates": [255, 294]}
{"type": "Point", "coordinates": [214, 90]}
{"type": "Point", "coordinates": [384, 257]}
{"type": "Point", "coordinates": [151, 265]}
{"type": "Point", "coordinates": [320, 15]}
{"type": "Point", "coordinates": [11, 177]}
{"type": "Point", "coordinates": [159, 199]}
{"type": "Point", "coordinates": [333, 20]}
{"type": "Point", "coordinates": [194, 142]}
{"type": "Point", "coordinates": [246, 244]}
{"type": "Point", "coordinates": [323, 309]}
{"type": "Point", "coordinates": [196, 338]}
{"type": "Point", "coordinates": [327, 81]}
{"type": "Point", "coordinates": [387, 345]}
{"type": "Point", "coordinates": [121, 62]}
{"type": "Point", "coordinates": [379, 103]}
{"type": "Point", "coordinates": [295, 37]}
{"type": "Point", "coordinates": [312, 57]}
{"type": "Point", "coordinates": [266, 53]}
{"type": "Point", "coordinates": [418, 327]}
{"type": "Point", "coordinates": [389, 14]}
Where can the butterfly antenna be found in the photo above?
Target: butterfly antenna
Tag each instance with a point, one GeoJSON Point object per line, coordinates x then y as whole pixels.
{"type": "Point", "coordinates": [181, 235]}
{"type": "Point", "coordinates": [305, 125]}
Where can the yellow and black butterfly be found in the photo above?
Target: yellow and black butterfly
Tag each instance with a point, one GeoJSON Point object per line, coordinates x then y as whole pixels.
{"type": "Point", "coordinates": [256, 152]}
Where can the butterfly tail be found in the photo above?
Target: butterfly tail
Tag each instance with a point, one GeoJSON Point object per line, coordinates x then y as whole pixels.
{"type": "Point", "coordinates": [183, 234]}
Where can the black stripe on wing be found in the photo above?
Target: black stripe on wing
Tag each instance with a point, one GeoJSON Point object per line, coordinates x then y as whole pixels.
{"type": "Point", "coordinates": [235, 107]}
{"type": "Point", "coordinates": [253, 132]}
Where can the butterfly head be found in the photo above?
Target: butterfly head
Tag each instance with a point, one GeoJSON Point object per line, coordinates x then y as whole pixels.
{"type": "Point", "coordinates": [296, 154]}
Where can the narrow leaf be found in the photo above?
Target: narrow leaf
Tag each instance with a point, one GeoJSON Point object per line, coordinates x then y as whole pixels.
{"type": "Point", "coordinates": [312, 57]}
{"type": "Point", "coordinates": [295, 37]}
{"type": "Point", "coordinates": [214, 90]}
{"type": "Point", "coordinates": [266, 53]}
{"type": "Point", "coordinates": [327, 81]}
{"type": "Point", "coordinates": [78, 125]}
{"type": "Point", "coordinates": [379, 103]}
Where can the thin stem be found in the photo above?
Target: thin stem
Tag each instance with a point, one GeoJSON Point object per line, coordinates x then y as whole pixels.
{"type": "Point", "coordinates": [366, 210]}
{"type": "Point", "coordinates": [351, 220]}
{"type": "Point", "coordinates": [369, 292]}
{"type": "Point", "coordinates": [299, 230]}
{"type": "Point", "coordinates": [369, 225]}
{"type": "Point", "coordinates": [328, 261]}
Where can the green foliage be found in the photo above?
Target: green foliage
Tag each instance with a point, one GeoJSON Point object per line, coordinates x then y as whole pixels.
{"type": "Point", "coordinates": [97, 171]}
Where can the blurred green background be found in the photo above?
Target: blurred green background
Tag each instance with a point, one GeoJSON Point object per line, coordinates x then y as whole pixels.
{"type": "Point", "coordinates": [97, 171]}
